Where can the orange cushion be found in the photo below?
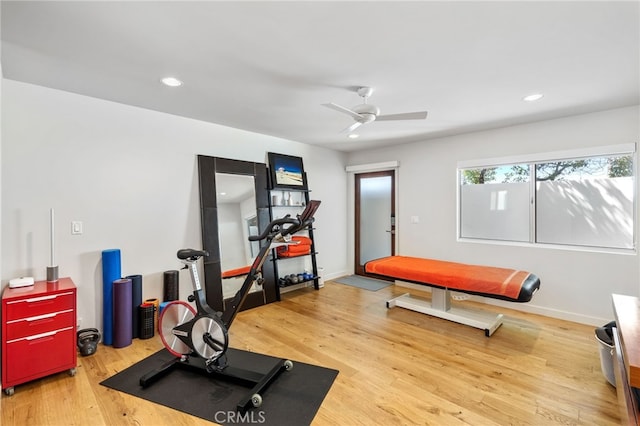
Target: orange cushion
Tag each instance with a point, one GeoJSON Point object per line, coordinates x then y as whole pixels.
{"type": "Point", "coordinates": [301, 239]}
{"type": "Point", "coordinates": [238, 272]}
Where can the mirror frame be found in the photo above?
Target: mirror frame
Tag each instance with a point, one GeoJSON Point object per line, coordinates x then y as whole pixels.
{"type": "Point", "coordinates": [207, 169]}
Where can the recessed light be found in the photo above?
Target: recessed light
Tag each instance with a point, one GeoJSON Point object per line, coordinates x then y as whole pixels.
{"type": "Point", "coordinates": [533, 97]}
{"type": "Point", "coordinates": [171, 82]}
{"type": "Point", "coordinates": [353, 136]}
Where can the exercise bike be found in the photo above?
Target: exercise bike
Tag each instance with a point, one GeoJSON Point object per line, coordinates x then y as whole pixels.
{"type": "Point", "coordinates": [199, 338]}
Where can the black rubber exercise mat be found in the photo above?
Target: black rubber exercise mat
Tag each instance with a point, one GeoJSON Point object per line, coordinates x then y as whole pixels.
{"type": "Point", "coordinates": [292, 399]}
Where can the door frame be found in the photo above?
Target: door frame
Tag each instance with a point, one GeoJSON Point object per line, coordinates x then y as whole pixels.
{"type": "Point", "coordinates": [366, 168]}
{"type": "Point", "coordinates": [359, 269]}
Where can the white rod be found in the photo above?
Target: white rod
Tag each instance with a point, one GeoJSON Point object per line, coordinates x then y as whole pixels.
{"type": "Point", "coordinates": [53, 260]}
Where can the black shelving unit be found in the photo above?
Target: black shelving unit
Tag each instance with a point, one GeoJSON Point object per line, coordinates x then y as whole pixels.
{"type": "Point", "coordinates": [281, 203]}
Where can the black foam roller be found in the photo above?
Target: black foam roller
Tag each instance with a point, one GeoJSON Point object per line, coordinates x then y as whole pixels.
{"type": "Point", "coordinates": [171, 286]}
{"type": "Point", "coordinates": [136, 300]}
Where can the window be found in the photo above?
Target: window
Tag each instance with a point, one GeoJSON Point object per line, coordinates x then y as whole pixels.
{"type": "Point", "coordinates": [586, 200]}
{"type": "Point", "coordinates": [495, 203]}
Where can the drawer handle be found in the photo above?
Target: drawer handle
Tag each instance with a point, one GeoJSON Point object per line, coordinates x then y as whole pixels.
{"type": "Point", "coordinates": [39, 336]}
{"type": "Point", "coordinates": [40, 299]}
{"type": "Point", "coordinates": [40, 317]}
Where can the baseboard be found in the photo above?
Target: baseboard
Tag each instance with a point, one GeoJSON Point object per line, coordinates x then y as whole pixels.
{"type": "Point", "coordinates": [549, 312]}
{"type": "Point", "coordinates": [523, 307]}
{"type": "Point", "coordinates": [335, 275]}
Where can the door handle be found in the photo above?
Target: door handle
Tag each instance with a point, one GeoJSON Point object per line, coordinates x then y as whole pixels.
{"type": "Point", "coordinates": [391, 232]}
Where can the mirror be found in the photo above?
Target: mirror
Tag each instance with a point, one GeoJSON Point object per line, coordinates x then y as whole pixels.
{"type": "Point", "coordinates": [237, 220]}
{"type": "Point", "coordinates": [225, 234]}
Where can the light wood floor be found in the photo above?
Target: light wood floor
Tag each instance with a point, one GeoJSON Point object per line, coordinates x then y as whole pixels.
{"type": "Point", "coordinates": [397, 367]}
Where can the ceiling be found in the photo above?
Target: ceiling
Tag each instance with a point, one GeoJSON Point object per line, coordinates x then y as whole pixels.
{"type": "Point", "coordinates": [268, 67]}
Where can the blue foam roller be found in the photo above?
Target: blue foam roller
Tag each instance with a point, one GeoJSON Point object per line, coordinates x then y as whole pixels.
{"type": "Point", "coordinates": [122, 313]}
{"type": "Point", "coordinates": [111, 271]}
{"type": "Point", "coordinates": [136, 300]}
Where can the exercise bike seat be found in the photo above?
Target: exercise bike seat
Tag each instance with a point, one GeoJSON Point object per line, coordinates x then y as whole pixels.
{"type": "Point", "coordinates": [191, 254]}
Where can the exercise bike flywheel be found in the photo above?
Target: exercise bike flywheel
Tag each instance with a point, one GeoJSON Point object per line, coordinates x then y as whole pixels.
{"type": "Point", "coordinates": [208, 329]}
{"type": "Point", "coordinates": [175, 313]}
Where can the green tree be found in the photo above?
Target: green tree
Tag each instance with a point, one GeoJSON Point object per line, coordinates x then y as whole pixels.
{"type": "Point", "coordinates": [620, 166]}
{"type": "Point", "coordinates": [478, 176]}
{"type": "Point", "coordinates": [517, 173]}
{"type": "Point", "coordinates": [558, 169]}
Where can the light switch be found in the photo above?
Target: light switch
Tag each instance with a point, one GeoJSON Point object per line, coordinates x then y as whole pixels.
{"type": "Point", "coordinates": [415, 219]}
{"type": "Point", "coordinates": [76, 227]}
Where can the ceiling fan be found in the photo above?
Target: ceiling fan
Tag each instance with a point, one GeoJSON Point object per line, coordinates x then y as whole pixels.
{"type": "Point", "coordinates": [366, 113]}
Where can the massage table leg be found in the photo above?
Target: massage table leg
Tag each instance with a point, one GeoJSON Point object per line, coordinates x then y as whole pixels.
{"type": "Point", "coordinates": [440, 307]}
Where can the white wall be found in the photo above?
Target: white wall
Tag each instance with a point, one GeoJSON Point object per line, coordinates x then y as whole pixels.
{"type": "Point", "coordinates": [576, 285]}
{"type": "Point", "coordinates": [1, 132]}
{"type": "Point", "coordinates": [130, 175]}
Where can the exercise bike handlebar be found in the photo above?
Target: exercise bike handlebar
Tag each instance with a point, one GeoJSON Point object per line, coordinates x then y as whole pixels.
{"type": "Point", "coordinates": [277, 227]}
{"type": "Point", "coordinates": [274, 229]}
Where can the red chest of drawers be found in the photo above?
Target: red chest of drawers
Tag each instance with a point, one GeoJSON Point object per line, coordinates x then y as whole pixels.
{"type": "Point", "coordinates": [38, 332]}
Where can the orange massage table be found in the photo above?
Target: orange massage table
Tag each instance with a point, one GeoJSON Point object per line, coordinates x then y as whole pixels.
{"type": "Point", "coordinates": [443, 277]}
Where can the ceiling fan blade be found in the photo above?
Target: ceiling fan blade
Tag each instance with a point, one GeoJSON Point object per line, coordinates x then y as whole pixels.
{"type": "Point", "coordinates": [420, 115]}
{"type": "Point", "coordinates": [343, 110]}
{"type": "Point", "coordinates": [352, 127]}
